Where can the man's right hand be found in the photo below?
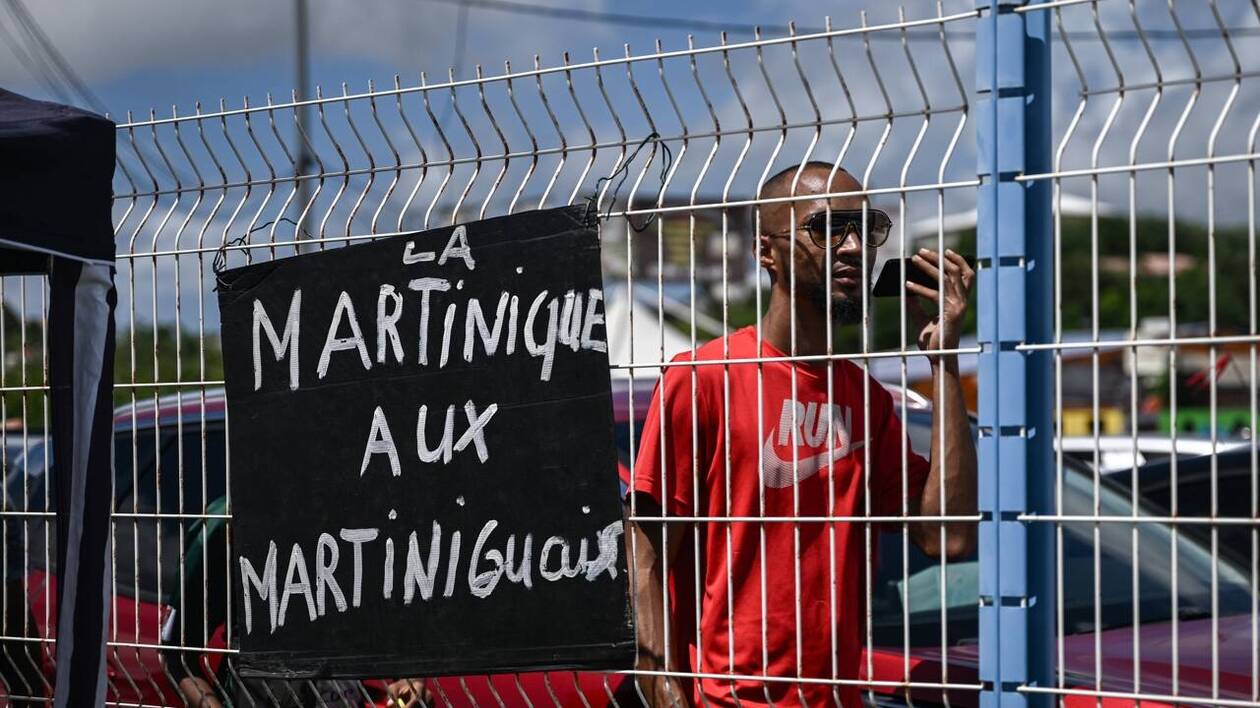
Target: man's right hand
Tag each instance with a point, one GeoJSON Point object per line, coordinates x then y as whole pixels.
{"type": "Point", "coordinates": [648, 545]}
{"type": "Point", "coordinates": [662, 691]}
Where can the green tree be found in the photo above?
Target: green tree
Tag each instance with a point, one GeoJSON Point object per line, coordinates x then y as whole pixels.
{"type": "Point", "coordinates": [21, 368]}
{"type": "Point", "coordinates": [1149, 295]}
{"type": "Point", "coordinates": [164, 356]}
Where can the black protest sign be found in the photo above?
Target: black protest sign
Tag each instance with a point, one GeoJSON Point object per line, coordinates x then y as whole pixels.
{"type": "Point", "coordinates": [423, 465]}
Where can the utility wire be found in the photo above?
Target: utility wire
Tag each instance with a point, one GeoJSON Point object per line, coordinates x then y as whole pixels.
{"type": "Point", "coordinates": [698, 25]}
{"type": "Point", "coordinates": [24, 18]}
{"type": "Point", "coordinates": [38, 70]}
{"type": "Point", "coordinates": [581, 15]}
{"type": "Point", "coordinates": [457, 58]}
{"type": "Point", "coordinates": [52, 68]}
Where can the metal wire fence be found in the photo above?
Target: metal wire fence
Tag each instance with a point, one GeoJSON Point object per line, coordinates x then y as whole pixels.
{"type": "Point", "coordinates": [1153, 354]}
{"type": "Point", "coordinates": [1166, 132]}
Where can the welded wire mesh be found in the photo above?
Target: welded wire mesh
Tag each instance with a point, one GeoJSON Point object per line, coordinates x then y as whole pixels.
{"type": "Point", "coordinates": [1154, 351]}
{"type": "Point", "coordinates": [1153, 118]}
{"type": "Point", "coordinates": [267, 179]}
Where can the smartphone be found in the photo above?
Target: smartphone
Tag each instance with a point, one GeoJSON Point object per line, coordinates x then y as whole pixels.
{"type": "Point", "coordinates": [891, 284]}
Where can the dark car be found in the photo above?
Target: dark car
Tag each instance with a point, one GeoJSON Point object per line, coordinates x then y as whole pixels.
{"type": "Point", "coordinates": [1237, 479]}
{"type": "Point", "coordinates": [1099, 610]}
{"type": "Point", "coordinates": [13, 445]}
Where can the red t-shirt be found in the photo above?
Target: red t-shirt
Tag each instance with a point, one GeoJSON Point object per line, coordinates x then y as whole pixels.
{"type": "Point", "coordinates": [750, 622]}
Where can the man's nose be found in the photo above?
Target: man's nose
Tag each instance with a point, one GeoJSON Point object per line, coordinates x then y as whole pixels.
{"type": "Point", "coordinates": [849, 240]}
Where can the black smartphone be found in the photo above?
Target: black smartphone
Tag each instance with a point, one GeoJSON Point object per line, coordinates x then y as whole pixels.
{"type": "Point", "coordinates": [890, 283]}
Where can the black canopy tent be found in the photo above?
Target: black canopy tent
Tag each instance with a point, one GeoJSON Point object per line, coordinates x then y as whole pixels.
{"type": "Point", "coordinates": [56, 191]}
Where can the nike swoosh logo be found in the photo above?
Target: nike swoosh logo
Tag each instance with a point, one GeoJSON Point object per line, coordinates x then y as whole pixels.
{"type": "Point", "coordinates": [779, 473]}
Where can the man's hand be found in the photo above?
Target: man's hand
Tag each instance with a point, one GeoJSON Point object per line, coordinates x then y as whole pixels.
{"type": "Point", "coordinates": [951, 483]}
{"type": "Point", "coordinates": [647, 546]}
{"type": "Point", "coordinates": [409, 693]}
{"type": "Point", "coordinates": [935, 332]}
{"type": "Point", "coordinates": [198, 693]}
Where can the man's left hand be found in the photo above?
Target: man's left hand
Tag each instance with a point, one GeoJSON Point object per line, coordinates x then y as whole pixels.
{"type": "Point", "coordinates": [941, 324]}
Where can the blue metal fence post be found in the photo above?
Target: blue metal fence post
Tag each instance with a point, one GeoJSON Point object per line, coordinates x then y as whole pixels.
{"type": "Point", "coordinates": [1015, 306]}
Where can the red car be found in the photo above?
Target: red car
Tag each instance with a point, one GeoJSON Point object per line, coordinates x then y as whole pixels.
{"type": "Point", "coordinates": [169, 458]}
{"type": "Point", "coordinates": [156, 445]}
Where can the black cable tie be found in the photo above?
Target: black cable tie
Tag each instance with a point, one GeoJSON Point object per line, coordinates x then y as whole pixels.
{"type": "Point", "coordinates": [220, 256]}
{"type": "Point", "coordinates": [624, 171]}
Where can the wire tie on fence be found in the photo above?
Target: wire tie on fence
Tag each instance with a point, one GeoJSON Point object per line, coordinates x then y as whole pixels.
{"type": "Point", "coordinates": [220, 256]}
{"type": "Point", "coordinates": [624, 171]}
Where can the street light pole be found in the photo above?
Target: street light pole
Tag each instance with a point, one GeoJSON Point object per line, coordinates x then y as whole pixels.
{"type": "Point", "coordinates": [301, 116]}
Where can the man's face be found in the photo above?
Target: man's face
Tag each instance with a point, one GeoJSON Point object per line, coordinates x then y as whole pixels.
{"type": "Point", "coordinates": [812, 276]}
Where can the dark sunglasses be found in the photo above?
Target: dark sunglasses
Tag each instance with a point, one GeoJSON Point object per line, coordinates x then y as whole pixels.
{"type": "Point", "coordinates": [846, 221]}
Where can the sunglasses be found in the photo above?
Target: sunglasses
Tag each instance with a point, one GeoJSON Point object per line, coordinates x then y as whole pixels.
{"type": "Point", "coordinates": [848, 221]}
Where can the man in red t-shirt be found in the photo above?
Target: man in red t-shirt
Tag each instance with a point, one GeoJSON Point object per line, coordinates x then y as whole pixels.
{"type": "Point", "coordinates": [736, 601]}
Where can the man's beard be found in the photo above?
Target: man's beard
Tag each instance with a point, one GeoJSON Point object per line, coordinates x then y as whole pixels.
{"type": "Point", "coordinates": [844, 310]}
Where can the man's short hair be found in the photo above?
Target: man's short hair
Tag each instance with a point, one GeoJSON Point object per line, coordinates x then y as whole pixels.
{"type": "Point", "coordinates": [782, 180]}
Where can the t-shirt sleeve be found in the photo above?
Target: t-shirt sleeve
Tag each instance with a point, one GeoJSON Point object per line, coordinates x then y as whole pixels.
{"type": "Point", "coordinates": [666, 460]}
{"type": "Point", "coordinates": [886, 481]}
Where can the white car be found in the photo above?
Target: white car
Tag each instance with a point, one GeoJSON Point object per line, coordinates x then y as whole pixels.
{"type": "Point", "coordinates": [1117, 452]}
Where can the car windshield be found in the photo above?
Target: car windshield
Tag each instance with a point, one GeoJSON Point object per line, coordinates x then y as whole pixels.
{"type": "Point", "coordinates": [1109, 547]}
{"type": "Point", "coordinates": [25, 484]}
{"type": "Point", "coordinates": [28, 487]}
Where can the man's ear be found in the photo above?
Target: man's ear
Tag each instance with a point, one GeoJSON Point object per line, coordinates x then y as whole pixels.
{"type": "Point", "coordinates": [765, 255]}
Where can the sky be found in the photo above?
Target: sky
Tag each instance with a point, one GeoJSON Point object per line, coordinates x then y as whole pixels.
{"type": "Point", "coordinates": [143, 54]}
{"type": "Point", "coordinates": [139, 56]}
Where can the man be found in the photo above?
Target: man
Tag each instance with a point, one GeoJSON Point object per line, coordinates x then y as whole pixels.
{"type": "Point", "coordinates": [775, 598]}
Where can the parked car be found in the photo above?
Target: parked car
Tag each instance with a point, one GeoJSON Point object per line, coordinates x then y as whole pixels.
{"type": "Point", "coordinates": [20, 661]}
{"type": "Point", "coordinates": [911, 604]}
{"type": "Point", "coordinates": [144, 566]}
{"type": "Point", "coordinates": [1118, 452]}
{"type": "Point", "coordinates": [1237, 495]}
{"type": "Point", "coordinates": [170, 458]}
{"type": "Point", "coordinates": [16, 444]}
{"type": "Point", "coordinates": [156, 445]}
